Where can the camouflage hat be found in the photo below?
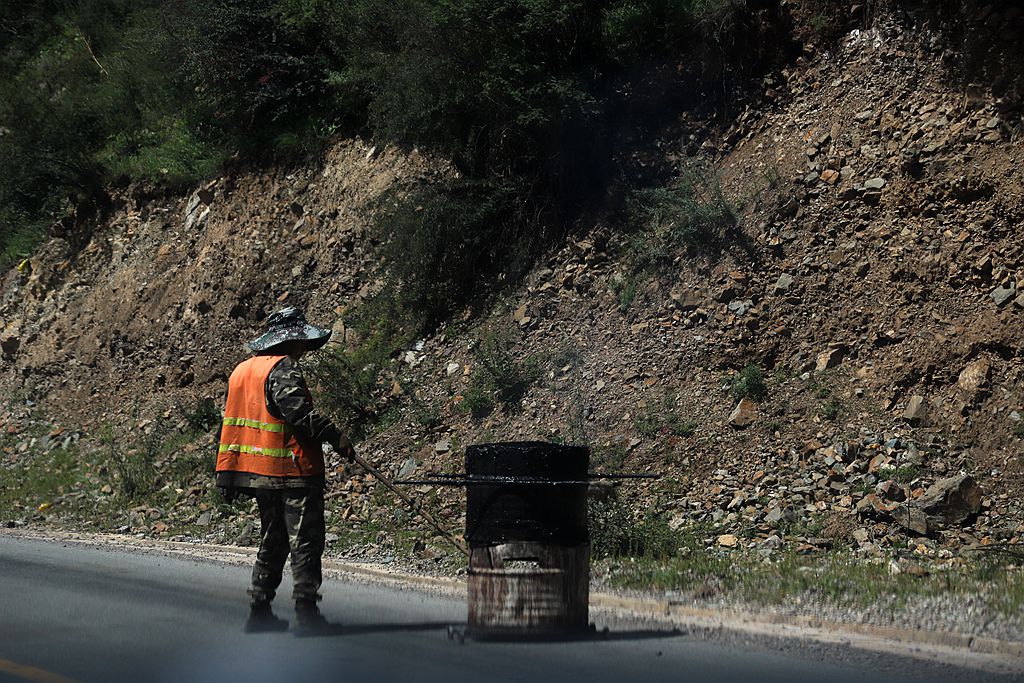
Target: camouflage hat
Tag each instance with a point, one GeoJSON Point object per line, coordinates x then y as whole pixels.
{"type": "Point", "coordinates": [289, 324]}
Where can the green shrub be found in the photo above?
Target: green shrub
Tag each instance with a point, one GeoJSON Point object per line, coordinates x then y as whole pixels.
{"type": "Point", "coordinates": [443, 240]}
{"type": "Point", "coordinates": [691, 211]}
{"type": "Point", "coordinates": [134, 463]}
{"type": "Point", "coordinates": [615, 531]}
{"type": "Point", "coordinates": [500, 377]}
{"type": "Point", "coordinates": [749, 383]}
{"type": "Point", "coordinates": [263, 69]}
{"type": "Point", "coordinates": [345, 384]}
{"type": "Point", "coordinates": [832, 408]}
{"type": "Point", "coordinates": [499, 87]}
{"type": "Point", "coordinates": [204, 417]}
{"type": "Point", "coordinates": [663, 419]}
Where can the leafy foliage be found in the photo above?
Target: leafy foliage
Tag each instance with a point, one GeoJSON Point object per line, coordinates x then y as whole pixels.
{"type": "Point", "coordinates": [616, 532]}
{"type": "Point", "coordinates": [690, 212]}
{"type": "Point", "coordinates": [443, 239]}
{"type": "Point", "coordinates": [749, 383]}
{"type": "Point", "coordinates": [500, 377]}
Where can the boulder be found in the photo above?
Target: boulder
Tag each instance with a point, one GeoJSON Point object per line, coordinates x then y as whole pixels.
{"type": "Point", "coordinates": [915, 410]}
{"type": "Point", "coordinates": [744, 414]}
{"type": "Point", "coordinates": [952, 500]}
{"type": "Point", "coordinates": [830, 359]}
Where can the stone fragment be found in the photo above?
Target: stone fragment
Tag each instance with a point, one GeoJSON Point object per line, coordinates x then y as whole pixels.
{"type": "Point", "coordinates": [408, 467]}
{"type": "Point", "coordinates": [725, 294]}
{"type": "Point", "coordinates": [741, 307]}
{"type": "Point", "coordinates": [874, 184]}
{"type": "Point", "coordinates": [1019, 301]}
{"type": "Point", "coordinates": [452, 368]}
{"type": "Point", "coordinates": [443, 446]}
{"type": "Point", "coordinates": [743, 414]}
{"type": "Point", "coordinates": [877, 462]}
{"type": "Point", "coordinates": [914, 412]}
{"type": "Point", "coordinates": [871, 504]}
{"type": "Point", "coordinates": [830, 176]}
{"type": "Point", "coordinates": [830, 359]}
{"type": "Point", "coordinates": [911, 518]}
{"type": "Point", "coordinates": [783, 284]}
{"type": "Point", "coordinates": [728, 540]}
{"type": "Point", "coordinates": [685, 299]}
{"type": "Point", "coordinates": [953, 499]}
{"type": "Point", "coordinates": [974, 378]}
{"type": "Point", "coordinates": [1003, 295]}
{"type": "Point", "coordinates": [861, 535]}
{"type": "Point", "coordinates": [9, 346]}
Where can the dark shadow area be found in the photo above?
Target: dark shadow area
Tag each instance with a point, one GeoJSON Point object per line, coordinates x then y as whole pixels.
{"type": "Point", "coordinates": [458, 632]}
{"type": "Point", "coordinates": [332, 629]}
{"type": "Point", "coordinates": [589, 635]}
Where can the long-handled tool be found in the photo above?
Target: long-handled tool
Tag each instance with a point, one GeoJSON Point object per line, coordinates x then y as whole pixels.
{"type": "Point", "coordinates": [413, 505]}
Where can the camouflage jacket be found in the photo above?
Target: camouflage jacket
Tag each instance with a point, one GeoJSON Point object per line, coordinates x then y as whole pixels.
{"type": "Point", "coordinates": [288, 399]}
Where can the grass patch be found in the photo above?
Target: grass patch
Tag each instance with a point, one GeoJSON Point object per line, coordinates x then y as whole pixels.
{"type": "Point", "coordinates": [903, 474]}
{"type": "Point", "coordinates": [832, 408]}
{"type": "Point", "coordinates": [663, 419]}
{"type": "Point", "coordinates": [689, 213]}
{"type": "Point", "coordinates": [838, 578]}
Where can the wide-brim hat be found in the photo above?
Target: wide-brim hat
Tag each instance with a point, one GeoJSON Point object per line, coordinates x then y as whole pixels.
{"type": "Point", "coordinates": [289, 324]}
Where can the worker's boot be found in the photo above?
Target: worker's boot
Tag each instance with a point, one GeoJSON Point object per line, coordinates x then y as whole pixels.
{"type": "Point", "coordinates": [262, 619]}
{"type": "Point", "coordinates": [308, 620]}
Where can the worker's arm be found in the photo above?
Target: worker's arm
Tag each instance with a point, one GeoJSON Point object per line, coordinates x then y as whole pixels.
{"type": "Point", "coordinates": [288, 398]}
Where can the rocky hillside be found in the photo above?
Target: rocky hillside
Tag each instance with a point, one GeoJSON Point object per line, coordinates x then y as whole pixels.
{"type": "Point", "coordinates": [847, 365]}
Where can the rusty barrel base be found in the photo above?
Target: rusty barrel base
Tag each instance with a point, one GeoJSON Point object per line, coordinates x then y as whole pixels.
{"type": "Point", "coordinates": [525, 590]}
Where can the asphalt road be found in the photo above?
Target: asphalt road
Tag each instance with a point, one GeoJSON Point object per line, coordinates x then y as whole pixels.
{"type": "Point", "coordinates": [72, 613]}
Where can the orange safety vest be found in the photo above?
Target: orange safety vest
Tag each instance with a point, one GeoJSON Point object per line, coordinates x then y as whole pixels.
{"type": "Point", "coordinates": [254, 441]}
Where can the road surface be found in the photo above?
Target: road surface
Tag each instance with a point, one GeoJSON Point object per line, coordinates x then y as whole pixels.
{"type": "Point", "coordinates": [72, 613]}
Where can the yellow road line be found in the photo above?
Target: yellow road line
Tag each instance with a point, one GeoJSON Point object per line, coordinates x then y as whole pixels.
{"type": "Point", "coordinates": [31, 673]}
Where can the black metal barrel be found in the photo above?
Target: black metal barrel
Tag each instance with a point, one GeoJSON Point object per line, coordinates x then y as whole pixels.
{"type": "Point", "coordinates": [526, 525]}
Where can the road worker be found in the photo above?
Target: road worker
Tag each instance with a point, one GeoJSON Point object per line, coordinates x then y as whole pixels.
{"type": "Point", "coordinates": [271, 449]}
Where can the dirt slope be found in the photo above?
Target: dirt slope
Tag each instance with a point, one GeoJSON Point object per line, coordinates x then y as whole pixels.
{"type": "Point", "coordinates": [877, 278]}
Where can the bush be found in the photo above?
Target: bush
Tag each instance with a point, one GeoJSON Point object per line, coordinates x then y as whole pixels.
{"type": "Point", "coordinates": [346, 384]}
{"type": "Point", "coordinates": [263, 69]}
{"type": "Point", "coordinates": [443, 240]}
{"type": "Point", "coordinates": [500, 378]}
{"type": "Point", "coordinates": [616, 532]}
{"type": "Point", "coordinates": [691, 212]}
{"type": "Point", "coordinates": [501, 88]}
{"type": "Point", "coordinates": [204, 417]}
{"type": "Point", "coordinates": [749, 383]}
{"type": "Point", "coordinates": [135, 464]}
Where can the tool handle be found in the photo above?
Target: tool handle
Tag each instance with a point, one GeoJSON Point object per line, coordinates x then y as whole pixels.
{"type": "Point", "coordinates": [409, 501]}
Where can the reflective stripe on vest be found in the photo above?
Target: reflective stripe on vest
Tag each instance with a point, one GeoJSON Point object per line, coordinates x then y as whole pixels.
{"type": "Point", "coordinates": [254, 441]}
{"type": "Point", "coordinates": [257, 450]}
{"type": "Point", "coordinates": [255, 424]}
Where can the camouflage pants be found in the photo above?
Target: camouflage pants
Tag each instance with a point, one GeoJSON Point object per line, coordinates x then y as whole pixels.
{"type": "Point", "coordinates": [291, 522]}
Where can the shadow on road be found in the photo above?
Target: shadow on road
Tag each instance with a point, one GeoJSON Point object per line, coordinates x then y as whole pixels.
{"type": "Point", "coordinates": [335, 629]}
{"type": "Point", "coordinates": [578, 637]}
{"type": "Point", "coordinates": [458, 632]}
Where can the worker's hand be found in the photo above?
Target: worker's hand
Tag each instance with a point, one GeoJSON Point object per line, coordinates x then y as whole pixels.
{"type": "Point", "coordinates": [344, 448]}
